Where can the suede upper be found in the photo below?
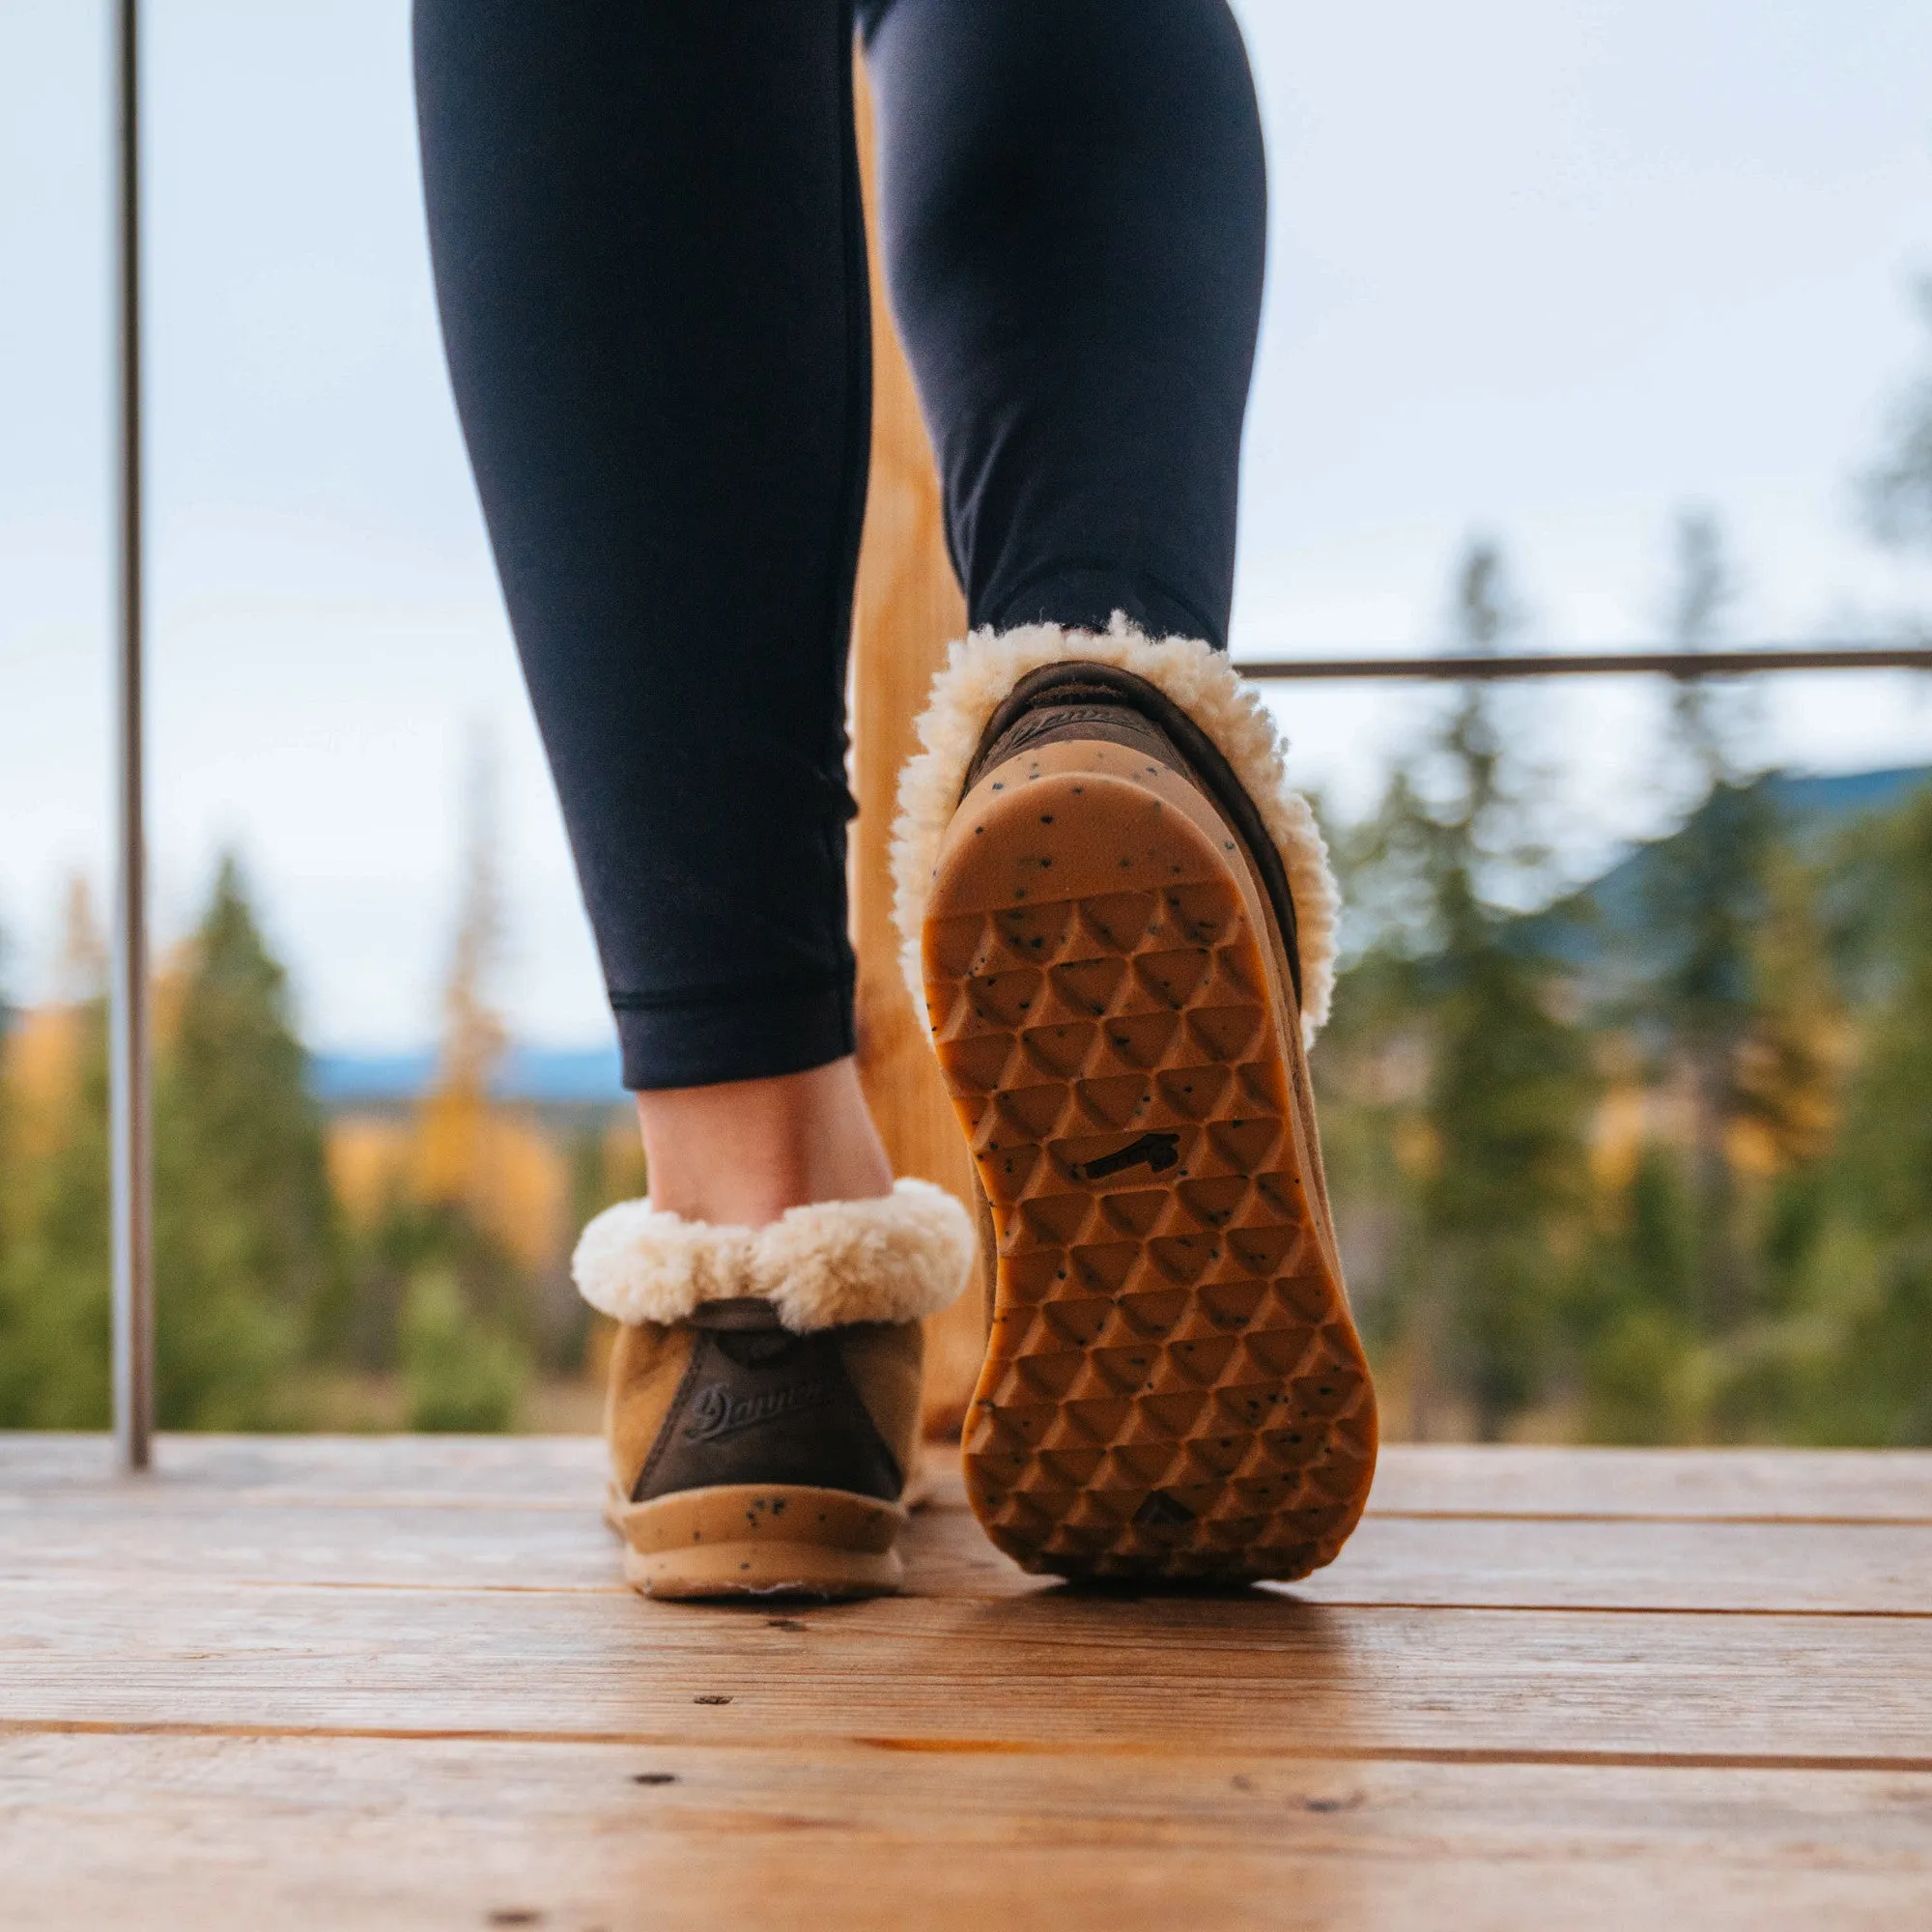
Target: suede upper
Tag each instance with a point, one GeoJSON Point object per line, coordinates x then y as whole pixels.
{"type": "Point", "coordinates": [786, 1355]}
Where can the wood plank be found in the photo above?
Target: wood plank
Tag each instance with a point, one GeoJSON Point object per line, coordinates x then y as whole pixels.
{"type": "Point", "coordinates": [1462, 1481]}
{"type": "Point", "coordinates": [393, 1683]}
{"type": "Point", "coordinates": [396, 1469]}
{"type": "Point", "coordinates": [1869, 1569]}
{"type": "Point", "coordinates": [1775, 1485]}
{"type": "Point", "coordinates": [212, 1833]}
{"type": "Point", "coordinates": [1053, 1670]}
{"type": "Point", "coordinates": [1637, 1564]}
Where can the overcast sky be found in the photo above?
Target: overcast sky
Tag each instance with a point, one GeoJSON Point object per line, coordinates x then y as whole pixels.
{"type": "Point", "coordinates": [1547, 270]}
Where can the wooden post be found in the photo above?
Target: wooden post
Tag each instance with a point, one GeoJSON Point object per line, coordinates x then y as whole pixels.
{"type": "Point", "coordinates": [907, 608]}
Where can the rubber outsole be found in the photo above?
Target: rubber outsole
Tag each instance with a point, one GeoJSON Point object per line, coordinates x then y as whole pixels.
{"type": "Point", "coordinates": [1174, 1387]}
{"type": "Point", "coordinates": [762, 1540]}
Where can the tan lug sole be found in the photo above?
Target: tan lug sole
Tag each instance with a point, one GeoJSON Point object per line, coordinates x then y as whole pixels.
{"type": "Point", "coordinates": [760, 1539]}
{"type": "Point", "coordinates": [1174, 1387]}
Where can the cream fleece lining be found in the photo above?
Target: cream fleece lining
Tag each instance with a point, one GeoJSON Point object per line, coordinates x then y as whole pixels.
{"type": "Point", "coordinates": [897, 1259]}
{"type": "Point", "coordinates": [983, 668]}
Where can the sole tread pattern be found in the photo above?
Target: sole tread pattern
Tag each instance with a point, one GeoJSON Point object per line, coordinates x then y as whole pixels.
{"type": "Point", "coordinates": [1173, 1387]}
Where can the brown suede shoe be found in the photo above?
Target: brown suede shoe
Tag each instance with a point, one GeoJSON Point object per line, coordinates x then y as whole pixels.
{"type": "Point", "coordinates": [763, 1411]}
{"type": "Point", "coordinates": [1121, 922]}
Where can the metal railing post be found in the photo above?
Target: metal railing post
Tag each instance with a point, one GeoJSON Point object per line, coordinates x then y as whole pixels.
{"type": "Point", "coordinates": [131, 1215]}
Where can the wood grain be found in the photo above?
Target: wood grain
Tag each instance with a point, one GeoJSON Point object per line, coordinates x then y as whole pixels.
{"type": "Point", "coordinates": [392, 1683]}
{"type": "Point", "coordinates": [1768, 1485]}
{"type": "Point", "coordinates": [217, 1833]}
{"type": "Point", "coordinates": [398, 1470]}
{"type": "Point", "coordinates": [1506, 1483]}
{"type": "Point", "coordinates": [1048, 1671]}
{"type": "Point", "coordinates": [1722, 1567]}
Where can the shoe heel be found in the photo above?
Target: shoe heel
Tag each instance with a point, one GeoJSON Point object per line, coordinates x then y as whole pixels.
{"type": "Point", "coordinates": [1173, 1387]}
{"type": "Point", "coordinates": [761, 1540]}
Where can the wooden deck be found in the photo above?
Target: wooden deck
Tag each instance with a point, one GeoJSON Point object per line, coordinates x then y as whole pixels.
{"type": "Point", "coordinates": [397, 1683]}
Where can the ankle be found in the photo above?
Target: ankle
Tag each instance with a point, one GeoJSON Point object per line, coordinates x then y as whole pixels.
{"type": "Point", "coordinates": [745, 1151]}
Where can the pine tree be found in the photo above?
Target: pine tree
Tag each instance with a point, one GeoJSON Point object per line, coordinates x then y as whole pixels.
{"type": "Point", "coordinates": [1738, 990]}
{"type": "Point", "coordinates": [443, 1295]}
{"type": "Point", "coordinates": [1729, 992]}
{"type": "Point", "coordinates": [1633, 1321]}
{"type": "Point", "coordinates": [248, 1255]}
{"type": "Point", "coordinates": [1504, 1103]}
{"type": "Point", "coordinates": [53, 1275]}
{"type": "Point", "coordinates": [53, 1195]}
{"type": "Point", "coordinates": [1703, 902]}
{"type": "Point", "coordinates": [10, 1162]}
{"type": "Point", "coordinates": [1881, 1385]}
{"type": "Point", "coordinates": [1857, 1364]}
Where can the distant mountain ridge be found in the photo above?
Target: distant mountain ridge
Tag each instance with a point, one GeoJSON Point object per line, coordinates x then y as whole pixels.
{"type": "Point", "coordinates": [551, 1076]}
{"type": "Point", "coordinates": [1839, 795]}
{"type": "Point", "coordinates": [1812, 805]}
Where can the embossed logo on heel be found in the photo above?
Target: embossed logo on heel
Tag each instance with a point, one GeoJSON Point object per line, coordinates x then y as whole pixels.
{"type": "Point", "coordinates": [716, 1412]}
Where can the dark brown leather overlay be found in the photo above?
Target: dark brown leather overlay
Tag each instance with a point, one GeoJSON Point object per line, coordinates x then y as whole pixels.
{"type": "Point", "coordinates": [760, 1404]}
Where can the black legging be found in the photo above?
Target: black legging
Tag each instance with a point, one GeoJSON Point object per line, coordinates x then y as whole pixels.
{"type": "Point", "coordinates": [646, 223]}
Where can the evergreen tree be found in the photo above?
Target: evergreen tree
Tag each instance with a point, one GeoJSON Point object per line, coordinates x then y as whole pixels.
{"type": "Point", "coordinates": [441, 1293]}
{"type": "Point", "coordinates": [53, 1194]}
{"type": "Point", "coordinates": [13, 1166]}
{"type": "Point", "coordinates": [1703, 904]}
{"type": "Point", "coordinates": [458, 1379]}
{"type": "Point", "coordinates": [246, 1252]}
{"type": "Point", "coordinates": [1736, 990]}
{"type": "Point", "coordinates": [1883, 1379]}
{"type": "Point", "coordinates": [1502, 1109]}
{"type": "Point", "coordinates": [1729, 991]}
{"type": "Point", "coordinates": [53, 1271]}
{"type": "Point", "coordinates": [245, 1242]}
{"type": "Point", "coordinates": [1643, 1366]}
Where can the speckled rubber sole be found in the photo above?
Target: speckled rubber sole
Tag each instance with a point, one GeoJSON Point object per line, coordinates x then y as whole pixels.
{"type": "Point", "coordinates": [758, 1540]}
{"type": "Point", "coordinates": [1174, 1387]}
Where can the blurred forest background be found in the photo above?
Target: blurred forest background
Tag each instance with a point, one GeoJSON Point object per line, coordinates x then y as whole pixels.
{"type": "Point", "coordinates": [1647, 1161]}
{"type": "Point", "coordinates": [401, 1263]}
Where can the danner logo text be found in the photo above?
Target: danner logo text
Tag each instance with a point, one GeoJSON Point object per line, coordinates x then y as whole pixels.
{"type": "Point", "coordinates": [716, 1412]}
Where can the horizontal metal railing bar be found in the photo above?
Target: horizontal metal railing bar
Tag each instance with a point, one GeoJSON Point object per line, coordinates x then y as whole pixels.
{"type": "Point", "coordinates": [1450, 667]}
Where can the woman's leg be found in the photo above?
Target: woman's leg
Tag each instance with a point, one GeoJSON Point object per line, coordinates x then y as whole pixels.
{"type": "Point", "coordinates": [1075, 210]}
{"type": "Point", "coordinates": [650, 263]}
{"type": "Point", "coordinates": [1124, 915]}
{"type": "Point", "coordinates": [651, 270]}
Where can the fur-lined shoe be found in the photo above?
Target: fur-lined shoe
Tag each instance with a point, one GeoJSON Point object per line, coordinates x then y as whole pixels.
{"type": "Point", "coordinates": [763, 1412]}
{"type": "Point", "coordinates": [1120, 923]}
